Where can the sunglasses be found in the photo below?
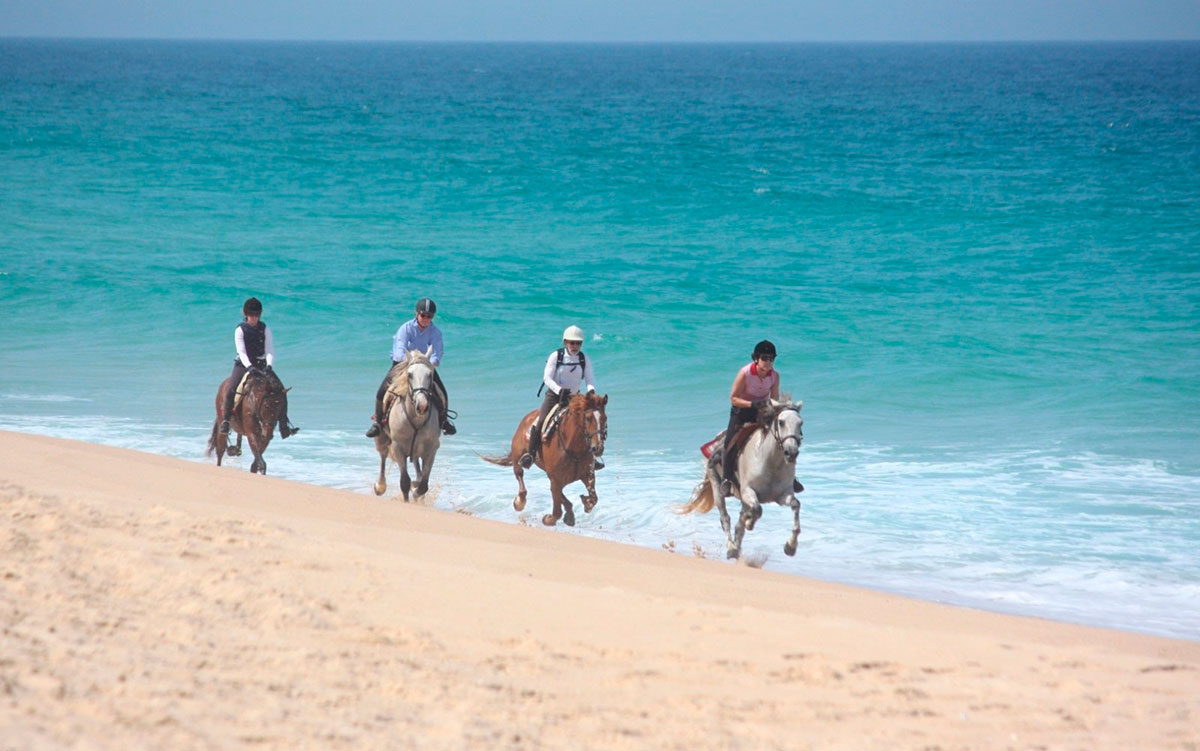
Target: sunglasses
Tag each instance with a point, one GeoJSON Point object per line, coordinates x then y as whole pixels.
{"type": "Point", "coordinates": [425, 315]}
{"type": "Point", "coordinates": [768, 358]}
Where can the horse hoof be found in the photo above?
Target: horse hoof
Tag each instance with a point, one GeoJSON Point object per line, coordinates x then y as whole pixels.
{"type": "Point", "coordinates": [549, 520]}
{"type": "Point", "coordinates": [588, 503]}
{"type": "Point", "coordinates": [233, 451]}
{"type": "Point", "coordinates": [518, 504]}
{"type": "Point", "coordinates": [380, 488]}
{"type": "Point", "coordinates": [789, 548]}
{"type": "Point", "coordinates": [569, 518]}
{"type": "Point", "coordinates": [732, 553]}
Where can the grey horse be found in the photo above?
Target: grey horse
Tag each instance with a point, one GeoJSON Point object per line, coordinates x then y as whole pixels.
{"type": "Point", "coordinates": [766, 470]}
{"type": "Point", "coordinates": [413, 431]}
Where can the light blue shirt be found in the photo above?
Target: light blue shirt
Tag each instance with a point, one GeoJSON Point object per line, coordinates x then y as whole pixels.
{"type": "Point", "coordinates": [410, 336]}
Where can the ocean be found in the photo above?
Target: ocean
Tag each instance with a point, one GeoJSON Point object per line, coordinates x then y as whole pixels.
{"type": "Point", "coordinates": [980, 264]}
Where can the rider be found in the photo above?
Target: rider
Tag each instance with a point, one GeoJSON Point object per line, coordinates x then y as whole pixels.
{"type": "Point", "coordinates": [255, 353]}
{"type": "Point", "coordinates": [753, 384]}
{"type": "Point", "coordinates": [566, 368]}
{"type": "Point", "coordinates": [419, 334]}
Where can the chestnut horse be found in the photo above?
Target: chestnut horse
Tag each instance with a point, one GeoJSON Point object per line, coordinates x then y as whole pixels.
{"type": "Point", "coordinates": [254, 416]}
{"type": "Point", "coordinates": [567, 456]}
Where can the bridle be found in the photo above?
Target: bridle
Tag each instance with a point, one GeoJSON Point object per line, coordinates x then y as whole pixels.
{"type": "Point", "coordinates": [588, 434]}
{"type": "Point", "coordinates": [780, 439]}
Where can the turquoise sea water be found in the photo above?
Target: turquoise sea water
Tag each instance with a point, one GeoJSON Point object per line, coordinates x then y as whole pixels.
{"type": "Point", "coordinates": [980, 263]}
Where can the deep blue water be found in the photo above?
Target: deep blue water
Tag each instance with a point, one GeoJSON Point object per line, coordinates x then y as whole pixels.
{"type": "Point", "coordinates": [980, 263]}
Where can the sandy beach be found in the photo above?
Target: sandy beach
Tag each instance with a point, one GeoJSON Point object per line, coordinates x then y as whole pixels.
{"type": "Point", "coordinates": [150, 602]}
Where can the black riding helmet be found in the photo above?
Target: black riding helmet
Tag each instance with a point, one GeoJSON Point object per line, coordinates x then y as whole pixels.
{"type": "Point", "coordinates": [425, 305]}
{"type": "Point", "coordinates": [252, 307]}
{"type": "Point", "coordinates": [765, 347]}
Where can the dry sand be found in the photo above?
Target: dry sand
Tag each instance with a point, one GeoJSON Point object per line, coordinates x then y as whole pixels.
{"type": "Point", "coordinates": [149, 602]}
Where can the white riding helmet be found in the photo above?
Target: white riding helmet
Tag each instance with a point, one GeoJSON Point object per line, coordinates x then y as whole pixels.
{"type": "Point", "coordinates": [573, 334]}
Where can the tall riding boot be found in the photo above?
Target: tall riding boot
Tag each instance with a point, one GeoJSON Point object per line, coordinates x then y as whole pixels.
{"type": "Point", "coordinates": [226, 415]}
{"type": "Point", "coordinates": [535, 445]}
{"type": "Point", "coordinates": [377, 418]}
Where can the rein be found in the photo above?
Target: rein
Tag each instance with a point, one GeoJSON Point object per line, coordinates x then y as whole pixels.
{"type": "Point", "coordinates": [588, 435]}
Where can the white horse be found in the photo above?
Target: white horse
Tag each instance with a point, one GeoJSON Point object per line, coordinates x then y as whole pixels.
{"type": "Point", "coordinates": [413, 429]}
{"type": "Point", "coordinates": [766, 471]}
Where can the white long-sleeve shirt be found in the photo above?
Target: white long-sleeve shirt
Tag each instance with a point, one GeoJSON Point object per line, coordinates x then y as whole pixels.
{"type": "Point", "coordinates": [240, 342]}
{"type": "Point", "coordinates": [568, 376]}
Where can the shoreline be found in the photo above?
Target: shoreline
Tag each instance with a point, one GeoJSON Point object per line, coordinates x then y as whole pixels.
{"type": "Point", "coordinates": [158, 600]}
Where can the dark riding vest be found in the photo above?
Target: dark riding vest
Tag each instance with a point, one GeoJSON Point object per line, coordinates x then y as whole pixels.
{"type": "Point", "coordinates": [255, 339]}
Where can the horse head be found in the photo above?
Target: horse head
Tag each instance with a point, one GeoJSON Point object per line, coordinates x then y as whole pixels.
{"type": "Point", "coordinates": [786, 426]}
{"type": "Point", "coordinates": [266, 398]}
{"type": "Point", "coordinates": [595, 421]}
{"type": "Point", "coordinates": [420, 379]}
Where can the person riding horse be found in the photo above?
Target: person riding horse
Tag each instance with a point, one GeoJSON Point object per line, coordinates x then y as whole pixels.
{"type": "Point", "coordinates": [566, 368]}
{"type": "Point", "coordinates": [753, 384]}
{"type": "Point", "coordinates": [255, 353]}
{"type": "Point", "coordinates": [418, 334]}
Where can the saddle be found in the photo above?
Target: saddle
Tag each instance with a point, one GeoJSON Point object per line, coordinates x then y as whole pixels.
{"type": "Point", "coordinates": [241, 389]}
{"type": "Point", "coordinates": [553, 418]}
{"type": "Point", "coordinates": [713, 449]}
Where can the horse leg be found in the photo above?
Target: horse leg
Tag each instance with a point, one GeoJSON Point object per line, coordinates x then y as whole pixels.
{"type": "Point", "coordinates": [731, 550]}
{"type": "Point", "coordinates": [789, 547]}
{"type": "Point", "coordinates": [381, 483]}
{"type": "Point", "coordinates": [405, 480]}
{"type": "Point", "coordinates": [519, 473]}
{"type": "Point", "coordinates": [747, 516]}
{"type": "Point", "coordinates": [235, 450]}
{"type": "Point", "coordinates": [589, 501]}
{"type": "Point", "coordinates": [423, 473]}
{"type": "Point", "coordinates": [555, 494]}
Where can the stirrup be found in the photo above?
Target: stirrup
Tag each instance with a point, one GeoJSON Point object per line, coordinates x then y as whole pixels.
{"type": "Point", "coordinates": [373, 430]}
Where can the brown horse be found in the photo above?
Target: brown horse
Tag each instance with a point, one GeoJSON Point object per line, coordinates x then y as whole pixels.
{"type": "Point", "coordinates": [567, 456]}
{"type": "Point", "coordinates": [254, 416]}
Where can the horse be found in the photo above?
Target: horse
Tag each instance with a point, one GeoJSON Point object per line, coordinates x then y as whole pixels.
{"type": "Point", "coordinates": [766, 472]}
{"type": "Point", "coordinates": [413, 430]}
{"type": "Point", "coordinates": [567, 455]}
{"type": "Point", "coordinates": [263, 399]}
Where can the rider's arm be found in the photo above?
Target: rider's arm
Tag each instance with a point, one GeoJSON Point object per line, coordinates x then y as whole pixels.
{"type": "Point", "coordinates": [548, 375]}
{"type": "Point", "coordinates": [269, 348]}
{"type": "Point", "coordinates": [239, 341]}
{"type": "Point", "coordinates": [436, 356]}
{"type": "Point", "coordinates": [738, 383]}
{"type": "Point", "coordinates": [588, 377]}
{"type": "Point", "coordinates": [775, 387]}
{"type": "Point", "coordinates": [400, 344]}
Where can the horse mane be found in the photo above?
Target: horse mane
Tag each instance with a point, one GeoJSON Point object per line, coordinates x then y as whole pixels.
{"type": "Point", "coordinates": [768, 412]}
{"type": "Point", "coordinates": [416, 356]}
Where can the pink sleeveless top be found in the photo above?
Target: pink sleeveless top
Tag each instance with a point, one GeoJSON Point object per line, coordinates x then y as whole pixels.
{"type": "Point", "coordinates": [755, 386]}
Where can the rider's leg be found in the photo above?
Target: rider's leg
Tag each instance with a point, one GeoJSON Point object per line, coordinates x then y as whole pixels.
{"type": "Point", "coordinates": [443, 408]}
{"type": "Point", "coordinates": [286, 428]}
{"type": "Point", "coordinates": [737, 418]}
{"type": "Point", "coordinates": [378, 416]}
{"type": "Point", "coordinates": [235, 378]}
{"type": "Point", "coordinates": [535, 431]}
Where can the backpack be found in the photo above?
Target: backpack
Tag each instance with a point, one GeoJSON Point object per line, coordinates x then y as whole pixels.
{"type": "Point", "coordinates": [562, 351]}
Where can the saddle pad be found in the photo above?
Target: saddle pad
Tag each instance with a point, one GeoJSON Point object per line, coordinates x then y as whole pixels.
{"type": "Point", "coordinates": [241, 387]}
{"type": "Point", "coordinates": [551, 422]}
{"type": "Point", "coordinates": [739, 440]}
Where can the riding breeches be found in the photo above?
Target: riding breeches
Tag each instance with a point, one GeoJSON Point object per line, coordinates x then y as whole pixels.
{"type": "Point", "coordinates": [738, 416]}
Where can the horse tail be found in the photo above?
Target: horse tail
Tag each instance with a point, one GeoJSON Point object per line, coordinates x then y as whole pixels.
{"type": "Point", "coordinates": [702, 499]}
{"type": "Point", "coordinates": [212, 439]}
{"type": "Point", "coordinates": [499, 461]}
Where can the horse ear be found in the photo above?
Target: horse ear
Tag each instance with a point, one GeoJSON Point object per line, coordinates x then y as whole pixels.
{"type": "Point", "coordinates": [289, 388]}
{"type": "Point", "coordinates": [429, 350]}
{"type": "Point", "coordinates": [798, 404]}
{"type": "Point", "coordinates": [604, 400]}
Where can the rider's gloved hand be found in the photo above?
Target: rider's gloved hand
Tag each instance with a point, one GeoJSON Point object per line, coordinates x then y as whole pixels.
{"type": "Point", "coordinates": [564, 397]}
